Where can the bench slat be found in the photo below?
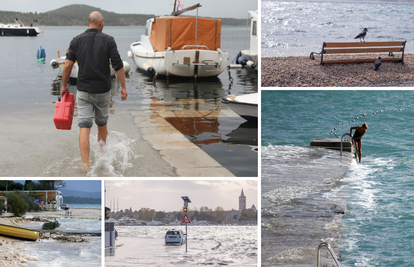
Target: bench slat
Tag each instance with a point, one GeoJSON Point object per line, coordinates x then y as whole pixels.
{"type": "Point", "coordinates": [364, 44]}
{"type": "Point", "coordinates": [348, 61]}
{"type": "Point", "coordinates": [361, 50]}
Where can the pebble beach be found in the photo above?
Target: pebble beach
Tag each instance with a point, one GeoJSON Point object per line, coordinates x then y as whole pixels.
{"type": "Point", "coordinates": [301, 71]}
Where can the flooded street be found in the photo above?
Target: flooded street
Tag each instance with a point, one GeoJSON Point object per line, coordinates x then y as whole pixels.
{"type": "Point", "coordinates": [207, 245]}
{"type": "Point", "coordinates": [177, 106]}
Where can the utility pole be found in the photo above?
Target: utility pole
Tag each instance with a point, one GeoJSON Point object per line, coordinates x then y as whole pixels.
{"type": "Point", "coordinates": [186, 220]}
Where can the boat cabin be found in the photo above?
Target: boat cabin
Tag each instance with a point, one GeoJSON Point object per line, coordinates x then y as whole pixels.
{"type": "Point", "coordinates": [179, 33]}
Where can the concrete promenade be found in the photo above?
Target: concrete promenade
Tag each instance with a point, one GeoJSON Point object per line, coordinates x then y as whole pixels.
{"type": "Point", "coordinates": [141, 128]}
{"type": "Point", "coordinates": [185, 158]}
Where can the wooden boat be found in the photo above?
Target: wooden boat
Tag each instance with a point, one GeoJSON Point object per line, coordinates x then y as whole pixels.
{"type": "Point", "coordinates": [17, 232]}
{"type": "Point", "coordinates": [180, 46]}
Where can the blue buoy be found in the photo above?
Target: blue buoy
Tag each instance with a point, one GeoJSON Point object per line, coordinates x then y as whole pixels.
{"type": "Point", "coordinates": [41, 53]}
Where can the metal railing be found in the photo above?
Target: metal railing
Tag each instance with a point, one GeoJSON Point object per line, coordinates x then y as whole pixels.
{"type": "Point", "coordinates": [334, 257]}
{"type": "Point", "coordinates": [342, 140]}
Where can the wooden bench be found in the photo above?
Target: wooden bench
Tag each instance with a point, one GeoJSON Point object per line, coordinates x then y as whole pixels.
{"type": "Point", "coordinates": [362, 47]}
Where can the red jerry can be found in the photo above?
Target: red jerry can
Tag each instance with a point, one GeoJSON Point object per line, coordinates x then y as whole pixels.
{"type": "Point", "coordinates": [64, 112]}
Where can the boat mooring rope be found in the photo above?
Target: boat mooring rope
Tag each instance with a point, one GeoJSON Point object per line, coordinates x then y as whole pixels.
{"type": "Point", "coordinates": [214, 109]}
{"type": "Point", "coordinates": [230, 78]}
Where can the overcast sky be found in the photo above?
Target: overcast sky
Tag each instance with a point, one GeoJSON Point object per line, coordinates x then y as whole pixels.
{"type": "Point", "coordinates": [78, 185]}
{"type": "Point", "coordinates": [166, 196]}
{"type": "Point", "coordinates": [210, 8]}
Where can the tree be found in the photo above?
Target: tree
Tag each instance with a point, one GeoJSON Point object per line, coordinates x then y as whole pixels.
{"type": "Point", "coordinates": [219, 212]}
{"type": "Point", "coordinates": [146, 214]}
{"type": "Point", "coordinates": [10, 185]}
{"type": "Point", "coordinates": [29, 185]}
{"type": "Point", "coordinates": [50, 184]}
{"type": "Point", "coordinates": [16, 204]}
{"type": "Point", "coordinates": [248, 215]}
{"type": "Point", "coordinates": [160, 215]}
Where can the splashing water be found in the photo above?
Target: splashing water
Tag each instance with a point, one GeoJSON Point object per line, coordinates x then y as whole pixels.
{"type": "Point", "coordinates": [112, 158]}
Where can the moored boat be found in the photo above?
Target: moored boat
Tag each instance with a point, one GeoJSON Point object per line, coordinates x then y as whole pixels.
{"type": "Point", "coordinates": [180, 46]}
{"type": "Point", "coordinates": [246, 106]}
{"type": "Point", "coordinates": [17, 232]}
{"type": "Point", "coordinates": [19, 29]}
{"type": "Point", "coordinates": [73, 77]}
{"type": "Point", "coordinates": [249, 57]}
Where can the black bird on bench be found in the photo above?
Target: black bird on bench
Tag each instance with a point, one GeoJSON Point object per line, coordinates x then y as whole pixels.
{"type": "Point", "coordinates": [377, 64]}
{"type": "Point", "coordinates": [362, 34]}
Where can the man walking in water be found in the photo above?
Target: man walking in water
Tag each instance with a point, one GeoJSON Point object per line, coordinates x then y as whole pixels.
{"type": "Point", "coordinates": [93, 50]}
{"type": "Point", "coordinates": [359, 132]}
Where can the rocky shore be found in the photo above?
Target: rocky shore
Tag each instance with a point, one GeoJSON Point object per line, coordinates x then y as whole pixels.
{"type": "Point", "coordinates": [10, 256]}
{"type": "Point", "coordinates": [304, 72]}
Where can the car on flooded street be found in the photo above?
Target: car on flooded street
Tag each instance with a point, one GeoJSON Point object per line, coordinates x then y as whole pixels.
{"type": "Point", "coordinates": [175, 236]}
{"type": "Point", "coordinates": [64, 206]}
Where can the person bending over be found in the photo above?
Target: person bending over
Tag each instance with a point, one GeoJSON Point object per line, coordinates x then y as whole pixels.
{"type": "Point", "coordinates": [359, 132]}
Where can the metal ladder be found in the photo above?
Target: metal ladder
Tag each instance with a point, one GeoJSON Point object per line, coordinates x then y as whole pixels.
{"type": "Point", "coordinates": [334, 257]}
{"type": "Point", "coordinates": [342, 139]}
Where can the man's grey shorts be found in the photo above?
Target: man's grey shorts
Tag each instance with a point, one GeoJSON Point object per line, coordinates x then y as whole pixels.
{"type": "Point", "coordinates": [93, 105]}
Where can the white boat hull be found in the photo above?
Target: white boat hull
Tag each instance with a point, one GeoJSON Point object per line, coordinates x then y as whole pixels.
{"type": "Point", "coordinates": [183, 63]}
{"type": "Point", "coordinates": [246, 106]}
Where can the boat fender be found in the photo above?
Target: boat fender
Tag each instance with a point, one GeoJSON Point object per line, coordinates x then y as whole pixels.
{"type": "Point", "coordinates": [54, 64]}
{"type": "Point", "coordinates": [147, 67]}
{"type": "Point", "coordinates": [127, 68]}
{"type": "Point", "coordinates": [235, 66]}
{"type": "Point", "coordinates": [251, 64]}
{"type": "Point", "coordinates": [41, 53]}
{"type": "Point", "coordinates": [130, 55]}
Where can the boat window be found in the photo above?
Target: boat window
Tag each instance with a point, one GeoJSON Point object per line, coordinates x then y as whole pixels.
{"type": "Point", "coordinates": [254, 28]}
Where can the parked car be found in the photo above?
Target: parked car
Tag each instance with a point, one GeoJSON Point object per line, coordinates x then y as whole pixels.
{"type": "Point", "coordinates": [174, 236]}
{"type": "Point", "coordinates": [64, 206]}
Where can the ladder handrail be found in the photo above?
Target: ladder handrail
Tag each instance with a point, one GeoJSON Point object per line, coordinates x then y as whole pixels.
{"type": "Point", "coordinates": [342, 139]}
{"type": "Point", "coordinates": [335, 258]}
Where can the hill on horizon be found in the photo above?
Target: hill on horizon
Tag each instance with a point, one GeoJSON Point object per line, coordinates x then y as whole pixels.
{"type": "Point", "coordinates": [77, 15]}
{"type": "Point", "coordinates": [75, 193]}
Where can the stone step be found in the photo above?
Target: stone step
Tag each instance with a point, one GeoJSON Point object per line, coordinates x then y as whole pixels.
{"type": "Point", "coordinates": [333, 143]}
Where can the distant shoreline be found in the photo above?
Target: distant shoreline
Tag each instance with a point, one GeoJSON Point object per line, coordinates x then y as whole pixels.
{"type": "Point", "coordinates": [76, 15]}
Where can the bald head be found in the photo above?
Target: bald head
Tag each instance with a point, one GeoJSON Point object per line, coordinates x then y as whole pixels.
{"type": "Point", "coordinates": [96, 20]}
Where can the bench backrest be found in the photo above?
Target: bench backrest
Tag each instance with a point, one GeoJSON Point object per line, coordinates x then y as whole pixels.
{"type": "Point", "coordinates": [363, 47]}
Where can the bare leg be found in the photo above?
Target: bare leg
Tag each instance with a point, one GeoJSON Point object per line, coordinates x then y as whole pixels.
{"type": "Point", "coordinates": [358, 145]}
{"type": "Point", "coordinates": [102, 134]}
{"type": "Point", "coordinates": [84, 146]}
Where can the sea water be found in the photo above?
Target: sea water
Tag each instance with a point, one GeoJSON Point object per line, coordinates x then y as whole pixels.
{"type": "Point", "coordinates": [207, 245]}
{"type": "Point", "coordinates": [376, 229]}
{"type": "Point", "coordinates": [29, 95]}
{"type": "Point", "coordinates": [297, 28]}
{"type": "Point", "coordinates": [60, 253]}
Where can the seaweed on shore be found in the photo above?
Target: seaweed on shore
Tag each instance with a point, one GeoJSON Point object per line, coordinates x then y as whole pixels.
{"type": "Point", "coordinates": [50, 225]}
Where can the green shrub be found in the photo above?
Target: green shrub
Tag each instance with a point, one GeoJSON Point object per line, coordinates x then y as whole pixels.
{"type": "Point", "coordinates": [16, 204]}
{"type": "Point", "coordinates": [50, 225]}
